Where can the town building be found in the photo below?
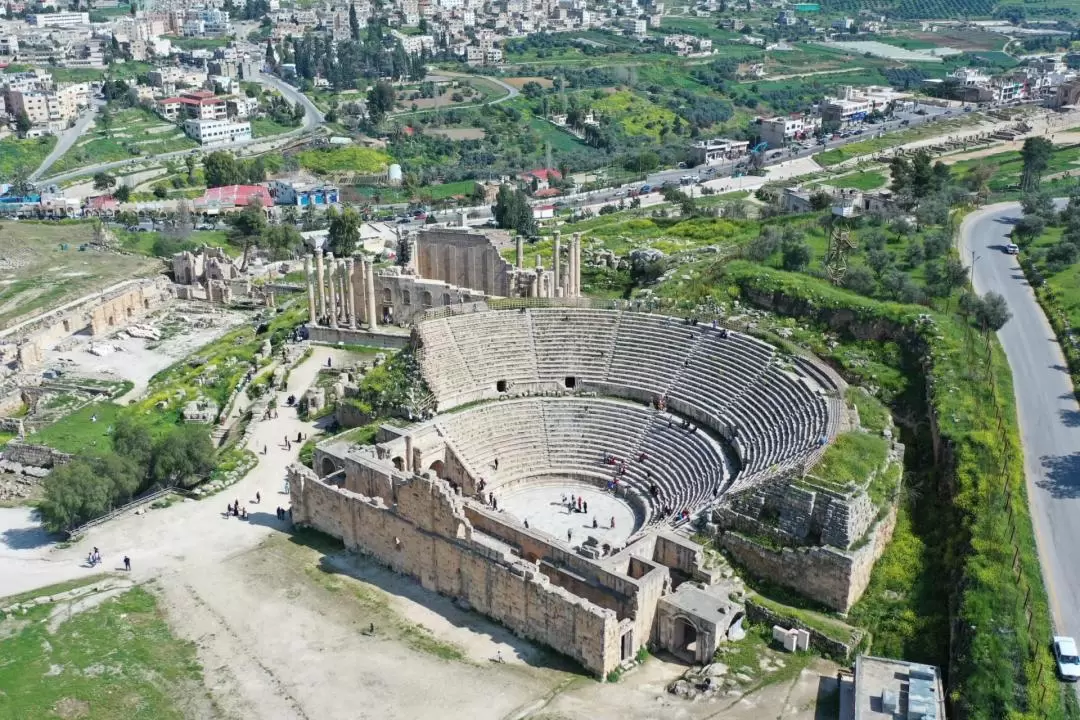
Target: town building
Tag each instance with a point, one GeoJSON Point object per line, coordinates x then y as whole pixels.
{"type": "Point", "coordinates": [209, 133]}
{"type": "Point", "coordinates": [59, 19]}
{"type": "Point", "coordinates": [779, 131]}
{"type": "Point", "coordinates": [195, 105]}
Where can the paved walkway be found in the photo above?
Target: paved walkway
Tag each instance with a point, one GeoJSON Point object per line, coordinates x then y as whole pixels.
{"type": "Point", "coordinates": [159, 541]}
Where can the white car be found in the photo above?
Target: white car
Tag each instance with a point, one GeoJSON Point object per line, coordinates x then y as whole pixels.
{"type": "Point", "coordinates": [1012, 249]}
{"type": "Point", "coordinates": [1068, 663]}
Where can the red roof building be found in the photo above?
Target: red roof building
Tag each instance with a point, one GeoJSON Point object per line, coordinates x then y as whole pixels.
{"type": "Point", "coordinates": [233, 196]}
{"type": "Point", "coordinates": [540, 179]}
{"type": "Point", "coordinates": [195, 105]}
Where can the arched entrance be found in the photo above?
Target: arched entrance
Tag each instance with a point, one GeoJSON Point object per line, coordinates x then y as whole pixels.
{"type": "Point", "coordinates": [328, 467]}
{"type": "Point", "coordinates": [685, 639]}
{"type": "Point", "coordinates": [399, 462]}
{"type": "Point", "coordinates": [437, 468]}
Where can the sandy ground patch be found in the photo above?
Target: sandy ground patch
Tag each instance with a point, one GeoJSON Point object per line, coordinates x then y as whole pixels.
{"type": "Point", "coordinates": [458, 133]}
{"type": "Point", "coordinates": [519, 82]}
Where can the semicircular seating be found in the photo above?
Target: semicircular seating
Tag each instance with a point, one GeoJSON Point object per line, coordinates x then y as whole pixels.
{"type": "Point", "coordinates": [773, 412]}
{"type": "Point", "coordinates": [561, 437]}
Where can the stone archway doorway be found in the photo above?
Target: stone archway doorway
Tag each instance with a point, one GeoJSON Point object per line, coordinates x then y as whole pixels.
{"type": "Point", "coordinates": [686, 639]}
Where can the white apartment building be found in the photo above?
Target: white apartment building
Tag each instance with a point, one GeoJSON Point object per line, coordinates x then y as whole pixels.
{"type": "Point", "coordinates": [779, 131]}
{"type": "Point", "coordinates": [209, 133]}
{"type": "Point", "coordinates": [59, 19]}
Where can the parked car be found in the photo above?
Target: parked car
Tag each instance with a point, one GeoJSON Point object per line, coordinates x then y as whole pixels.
{"type": "Point", "coordinates": [1012, 249]}
{"type": "Point", "coordinates": [905, 122]}
{"type": "Point", "coordinates": [645, 189]}
{"type": "Point", "coordinates": [1068, 663]}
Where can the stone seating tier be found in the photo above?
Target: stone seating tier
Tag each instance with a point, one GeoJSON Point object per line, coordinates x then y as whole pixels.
{"type": "Point", "coordinates": [774, 417]}
{"type": "Point", "coordinates": [544, 437]}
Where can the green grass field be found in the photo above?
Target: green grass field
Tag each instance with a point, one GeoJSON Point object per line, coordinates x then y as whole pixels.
{"type": "Point", "coordinates": [46, 274]}
{"type": "Point", "coordinates": [131, 133]}
{"type": "Point", "coordinates": [199, 43]}
{"type": "Point", "coordinates": [1008, 166]}
{"type": "Point", "coordinates": [23, 155]}
{"type": "Point", "coordinates": [560, 140]}
{"type": "Point", "coordinates": [447, 190]}
{"type": "Point", "coordinates": [861, 180]}
{"type": "Point", "coordinates": [115, 661]}
{"type": "Point", "coordinates": [635, 115]}
{"type": "Point", "coordinates": [346, 159]}
{"type": "Point", "coordinates": [77, 433]}
{"type": "Point", "coordinates": [115, 71]}
{"type": "Point", "coordinates": [265, 127]}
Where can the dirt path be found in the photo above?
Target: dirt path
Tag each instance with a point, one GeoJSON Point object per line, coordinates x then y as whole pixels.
{"type": "Point", "coordinates": [283, 624]}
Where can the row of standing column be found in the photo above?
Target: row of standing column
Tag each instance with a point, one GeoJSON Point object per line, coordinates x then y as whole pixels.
{"type": "Point", "coordinates": [564, 286]}
{"type": "Point", "coordinates": [332, 290]}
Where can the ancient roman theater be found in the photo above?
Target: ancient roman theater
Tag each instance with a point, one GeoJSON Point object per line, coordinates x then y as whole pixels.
{"type": "Point", "coordinates": [570, 453]}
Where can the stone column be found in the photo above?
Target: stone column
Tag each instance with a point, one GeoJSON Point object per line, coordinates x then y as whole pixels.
{"type": "Point", "coordinates": [373, 313]}
{"type": "Point", "coordinates": [408, 453]}
{"type": "Point", "coordinates": [331, 294]}
{"type": "Point", "coordinates": [520, 253]}
{"type": "Point", "coordinates": [310, 282]}
{"type": "Point", "coordinates": [319, 278]}
{"type": "Point", "coordinates": [343, 271]}
{"type": "Point", "coordinates": [556, 260]}
{"type": "Point", "coordinates": [361, 292]}
{"type": "Point", "coordinates": [570, 274]}
{"type": "Point", "coordinates": [350, 295]}
{"type": "Point", "coordinates": [577, 264]}
{"type": "Point", "coordinates": [414, 252]}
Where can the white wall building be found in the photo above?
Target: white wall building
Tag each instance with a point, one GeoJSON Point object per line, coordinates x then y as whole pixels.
{"type": "Point", "coordinates": [209, 133]}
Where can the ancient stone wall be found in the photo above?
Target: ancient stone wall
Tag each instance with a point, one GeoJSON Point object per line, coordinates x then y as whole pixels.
{"type": "Point", "coordinates": [426, 535]}
{"type": "Point", "coordinates": [463, 258]}
{"type": "Point", "coordinates": [34, 455]}
{"type": "Point", "coordinates": [400, 298]}
{"type": "Point", "coordinates": [838, 648]}
{"type": "Point", "coordinates": [833, 577]}
{"type": "Point", "coordinates": [97, 314]}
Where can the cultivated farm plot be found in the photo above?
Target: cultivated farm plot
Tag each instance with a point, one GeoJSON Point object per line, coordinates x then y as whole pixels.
{"type": "Point", "coordinates": [36, 274]}
{"type": "Point", "coordinates": [892, 52]}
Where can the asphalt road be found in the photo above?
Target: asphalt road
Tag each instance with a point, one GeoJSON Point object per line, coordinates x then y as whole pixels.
{"type": "Point", "coordinates": [1048, 412]}
{"type": "Point", "coordinates": [68, 138]}
{"type": "Point", "coordinates": [313, 119]}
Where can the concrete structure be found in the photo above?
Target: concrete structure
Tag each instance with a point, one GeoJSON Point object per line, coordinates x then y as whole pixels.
{"type": "Point", "coordinates": [59, 19]}
{"type": "Point", "coordinates": [717, 150]}
{"type": "Point", "coordinates": [210, 133]}
{"type": "Point", "coordinates": [882, 689]}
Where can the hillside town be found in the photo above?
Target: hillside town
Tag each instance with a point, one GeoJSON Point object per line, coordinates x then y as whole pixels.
{"type": "Point", "coordinates": [556, 359]}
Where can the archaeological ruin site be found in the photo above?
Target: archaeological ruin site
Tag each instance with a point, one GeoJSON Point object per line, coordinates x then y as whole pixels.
{"type": "Point", "coordinates": [571, 449]}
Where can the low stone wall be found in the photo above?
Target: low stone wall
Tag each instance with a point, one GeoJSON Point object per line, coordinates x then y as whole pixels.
{"type": "Point", "coordinates": [333, 336]}
{"type": "Point", "coordinates": [836, 578]}
{"type": "Point", "coordinates": [840, 649]}
{"type": "Point", "coordinates": [40, 456]}
{"type": "Point", "coordinates": [426, 535]}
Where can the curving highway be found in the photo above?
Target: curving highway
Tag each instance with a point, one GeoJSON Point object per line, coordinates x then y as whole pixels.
{"type": "Point", "coordinates": [1046, 406]}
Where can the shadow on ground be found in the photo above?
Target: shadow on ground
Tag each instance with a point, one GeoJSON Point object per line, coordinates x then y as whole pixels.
{"type": "Point", "coordinates": [1062, 478]}
{"type": "Point", "coordinates": [27, 538]}
{"type": "Point", "coordinates": [337, 561]}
